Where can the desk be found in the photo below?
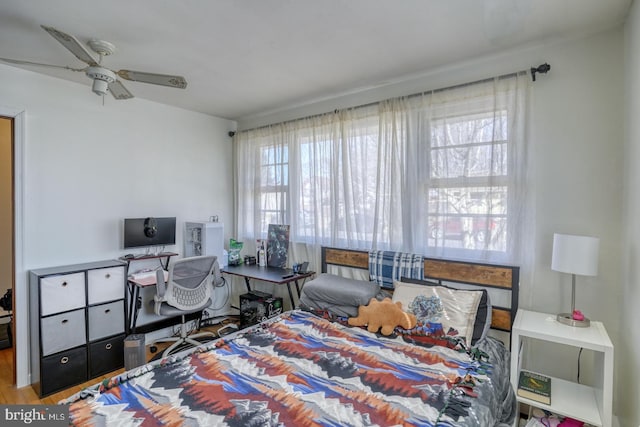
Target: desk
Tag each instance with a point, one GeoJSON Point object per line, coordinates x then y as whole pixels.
{"type": "Point", "coordinates": [134, 286]}
{"type": "Point", "coordinates": [135, 303]}
{"type": "Point", "coordinates": [268, 274]}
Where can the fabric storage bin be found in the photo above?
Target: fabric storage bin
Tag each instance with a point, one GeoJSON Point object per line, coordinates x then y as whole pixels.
{"type": "Point", "coordinates": [63, 331]}
{"type": "Point", "coordinates": [106, 320]}
{"type": "Point", "coordinates": [106, 355]}
{"type": "Point", "coordinates": [61, 293]}
{"type": "Point", "coordinates": [64, 370]}
{"type": "Point", "coordinates": [105, 284]}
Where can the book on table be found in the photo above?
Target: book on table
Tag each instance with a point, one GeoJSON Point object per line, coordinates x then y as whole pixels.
{"type": "Point", "coordinates": [535, 387]}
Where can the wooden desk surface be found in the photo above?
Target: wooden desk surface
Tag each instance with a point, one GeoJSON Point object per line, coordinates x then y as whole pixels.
{"type": "Point", "coordinates": [266, 274]}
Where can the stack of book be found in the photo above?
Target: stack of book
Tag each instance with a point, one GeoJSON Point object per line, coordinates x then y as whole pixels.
{"type": "Point", "coordinates": [535, 387]}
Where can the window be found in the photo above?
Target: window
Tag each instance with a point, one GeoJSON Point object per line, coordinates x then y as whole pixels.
{"type": "Point", "coordinates": [274, 185]}
{"type": "Point", "coordinates": [440, 174]}
{"type": "Point", "coordinates": [467, 187]}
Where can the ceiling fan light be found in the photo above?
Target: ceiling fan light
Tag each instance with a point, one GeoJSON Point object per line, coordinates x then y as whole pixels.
{"type": "Point", "coordinates": [101, 79]}
{"type": "Point", "coordinates": [100, 87]}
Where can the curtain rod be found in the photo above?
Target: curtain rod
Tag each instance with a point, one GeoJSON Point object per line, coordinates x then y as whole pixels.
{"type": "Point", "coordinates": [543, 68]}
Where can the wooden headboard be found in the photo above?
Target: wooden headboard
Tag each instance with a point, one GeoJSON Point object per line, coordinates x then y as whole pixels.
{"type": "Point", "coordinates": [469, 273]}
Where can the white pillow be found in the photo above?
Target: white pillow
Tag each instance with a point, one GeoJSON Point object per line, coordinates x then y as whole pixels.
{"type": "Point", "coordinates": [459, 307]}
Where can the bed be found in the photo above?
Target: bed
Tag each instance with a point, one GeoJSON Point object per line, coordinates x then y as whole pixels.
{"type": "Point", "coordinates": [300, 369]}
{"type": "Point", "coordinates": [469, 275]}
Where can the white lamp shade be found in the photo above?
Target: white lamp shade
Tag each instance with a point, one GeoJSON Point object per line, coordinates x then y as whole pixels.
{"type": "Point", "coordinates": [575, 254]}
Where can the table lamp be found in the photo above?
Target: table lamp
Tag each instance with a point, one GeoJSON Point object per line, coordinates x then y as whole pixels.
{"type": "Point", "coordinates": [575, 255]}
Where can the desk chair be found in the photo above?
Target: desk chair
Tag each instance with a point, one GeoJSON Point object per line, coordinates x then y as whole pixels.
{"type": "Point", "coordinates": [187, 290]}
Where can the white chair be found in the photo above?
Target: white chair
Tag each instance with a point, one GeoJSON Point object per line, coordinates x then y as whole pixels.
{"type": "Point", "coordinates": [187, 290]}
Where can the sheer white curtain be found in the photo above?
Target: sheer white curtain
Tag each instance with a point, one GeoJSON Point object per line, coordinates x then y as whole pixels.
{"type": "Point", "coordinates": [442, 174]}
{"type": "Point", "coordinates": [469, 151]}
{"type": "Point", "coordinates": [316, 174]}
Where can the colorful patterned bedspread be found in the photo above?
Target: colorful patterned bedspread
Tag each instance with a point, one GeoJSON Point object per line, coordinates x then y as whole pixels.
{"type": "Point", "coordinates": [301, 370]}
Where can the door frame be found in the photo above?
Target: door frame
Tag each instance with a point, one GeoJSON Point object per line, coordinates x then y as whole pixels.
{"type": "Point", "coordinates": [21, 355]}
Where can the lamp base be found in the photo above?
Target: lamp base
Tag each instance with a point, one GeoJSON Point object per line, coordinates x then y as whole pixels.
{"type": "Point", "coordinates": [567, 319]}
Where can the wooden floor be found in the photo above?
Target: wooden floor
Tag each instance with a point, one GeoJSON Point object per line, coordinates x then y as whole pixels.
{"type": "Point", "coordinates": [9, 394]}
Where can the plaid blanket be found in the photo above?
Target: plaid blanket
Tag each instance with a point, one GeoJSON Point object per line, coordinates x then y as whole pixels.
{"type": "Point", "coordinates": [387, 266]}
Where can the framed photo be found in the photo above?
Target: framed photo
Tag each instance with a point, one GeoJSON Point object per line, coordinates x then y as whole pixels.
{"type": "Point", "coordinates": [277, 245]}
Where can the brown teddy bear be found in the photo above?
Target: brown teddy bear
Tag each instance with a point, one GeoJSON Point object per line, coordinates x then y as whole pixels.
{"type": "Point", "coordinates": [383, 314]}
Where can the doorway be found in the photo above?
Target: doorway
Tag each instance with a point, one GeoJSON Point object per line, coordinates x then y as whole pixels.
{"type": "Point", "coordinates": [7, 235]}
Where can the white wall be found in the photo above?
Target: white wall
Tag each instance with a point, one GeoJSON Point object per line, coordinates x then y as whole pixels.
{"type": "Point", "coordinates": [578, 128]}
{"type": "Point", "coordinates": [629, 295]}
{"type": "Point", "coordinates": [87, 166]}
{"type": "Point", "coordinates": [576, 137]}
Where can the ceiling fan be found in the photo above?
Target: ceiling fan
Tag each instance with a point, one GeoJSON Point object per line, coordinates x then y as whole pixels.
{"type": "Point", "coordinates": [104, 79]}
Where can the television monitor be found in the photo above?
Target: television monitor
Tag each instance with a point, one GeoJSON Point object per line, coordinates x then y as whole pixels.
{"type": "Point", "coordinates": [150, 231]}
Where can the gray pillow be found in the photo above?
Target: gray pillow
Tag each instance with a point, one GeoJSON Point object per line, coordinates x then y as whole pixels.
{"type": "Point", "coordinates": [335, 309]}
{"type": "Point", "coordinates": [341, 291]}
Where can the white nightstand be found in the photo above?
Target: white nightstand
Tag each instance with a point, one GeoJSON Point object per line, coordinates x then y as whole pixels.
{"type": "Point", "coordinates": [592, 405]}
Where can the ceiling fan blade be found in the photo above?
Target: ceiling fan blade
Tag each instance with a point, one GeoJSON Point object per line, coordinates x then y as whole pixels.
{"type": "Point", "coordinates": [156, 79]}
{"type": "Point", "coordinates": [118, 90]}
{"type": "Point", "coordinates": [39, 64]}
{"type": "Point", "coordinates": [72, 44]}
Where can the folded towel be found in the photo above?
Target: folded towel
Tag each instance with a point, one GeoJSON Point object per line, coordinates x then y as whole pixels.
{"type": "Point", "coordinates": [387, 266]}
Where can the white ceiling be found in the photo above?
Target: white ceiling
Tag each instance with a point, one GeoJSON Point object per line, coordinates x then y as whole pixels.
{"type": "Point", "coordinates": [243, 57]}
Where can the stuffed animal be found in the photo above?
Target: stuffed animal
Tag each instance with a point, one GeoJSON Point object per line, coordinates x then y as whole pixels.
{"type": "Point", "coordinates": [383, 314]}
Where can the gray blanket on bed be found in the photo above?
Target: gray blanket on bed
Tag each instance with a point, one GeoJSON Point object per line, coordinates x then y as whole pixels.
{"type": "Point", "coordinates": [339, 295]}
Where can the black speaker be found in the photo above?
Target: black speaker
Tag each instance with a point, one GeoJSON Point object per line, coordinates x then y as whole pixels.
{"type": "Point", "coordinates": [134, 351]}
